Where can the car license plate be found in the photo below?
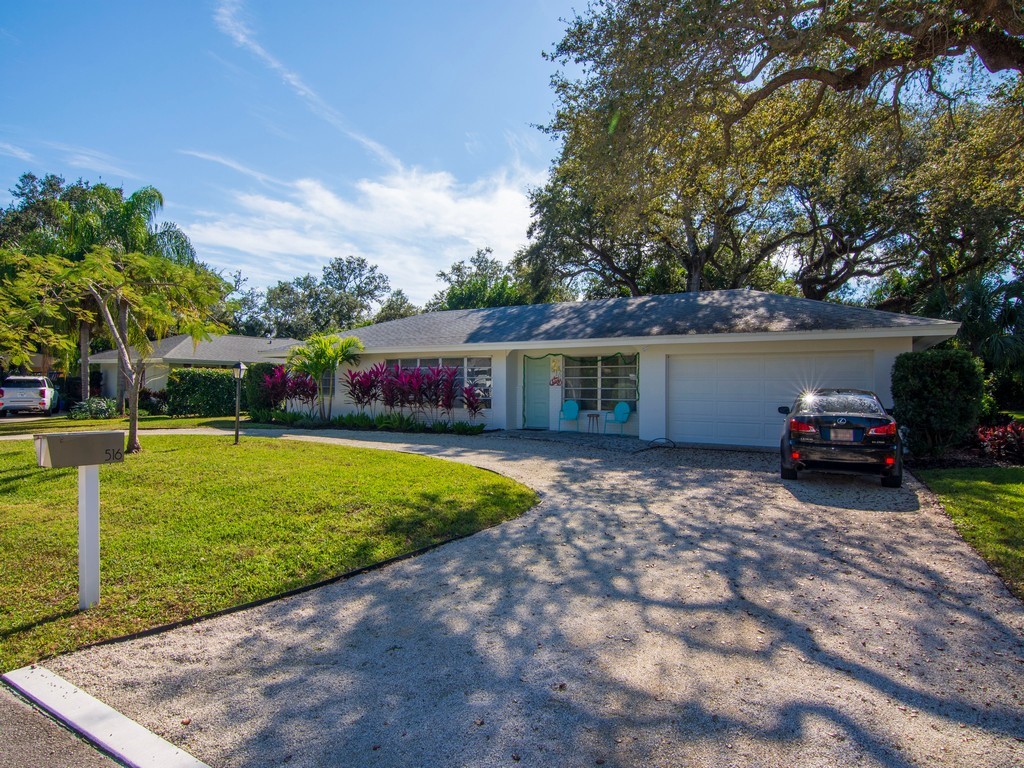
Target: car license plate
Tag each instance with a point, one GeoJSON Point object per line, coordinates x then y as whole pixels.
{"type": "Point", "coordinates": [842, 435]}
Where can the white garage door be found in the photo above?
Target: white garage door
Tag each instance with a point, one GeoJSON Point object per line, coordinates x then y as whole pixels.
{"type": "Point", "coordinates": [734, 399]}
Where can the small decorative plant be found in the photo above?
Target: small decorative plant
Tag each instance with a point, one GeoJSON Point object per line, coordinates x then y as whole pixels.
{"type": "Point", "coordinates": [471, 402]}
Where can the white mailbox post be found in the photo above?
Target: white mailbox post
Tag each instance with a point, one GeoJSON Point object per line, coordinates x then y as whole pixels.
{"type": "Point", "coordinates": [85, 450]}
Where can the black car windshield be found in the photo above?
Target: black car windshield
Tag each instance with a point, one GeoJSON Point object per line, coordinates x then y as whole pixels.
{"type": "Point", "coordinates": [839, 403]}
{"type": "Point", "coordinates": [22, 384]}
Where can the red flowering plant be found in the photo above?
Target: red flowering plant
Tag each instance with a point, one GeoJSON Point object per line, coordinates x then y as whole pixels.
{"type": "Point", "coordinates": [390, 393]}
{"type": "Point", "coordinates": [275, 386]}
{"type": "Point", "coordinates": [363, 387]}
{"type": "Point", "coordinates": [471, 401]}
{"type": "Point", "coordinates": [410, 384]}
{"type": "Point", "coordinates": [303, 390]}
{"type": "Point", "coordinates": [430, 386]}
{"type": "Point", "coordinates": [448, 390]}
{"type": "Point", "coordinates": [1002, 442]}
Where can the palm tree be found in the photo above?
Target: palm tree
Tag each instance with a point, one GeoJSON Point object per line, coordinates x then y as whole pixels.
{"type": "Point", "coordinates": [101, 216]}
{"type": "Point", "coordinates": [321, 355]}
{"type": "Point", "coordinates": [991, 316]}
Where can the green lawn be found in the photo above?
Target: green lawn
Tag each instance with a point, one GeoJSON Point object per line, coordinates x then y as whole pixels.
{"type": "Point", "coordinates": [13, 425]}
{"type": "Point", "coordinates": [1018, 415]}
{"type": "Point", "coordinates": [987, 507]}
{"type": "Point", "coordinates": [194, 524]}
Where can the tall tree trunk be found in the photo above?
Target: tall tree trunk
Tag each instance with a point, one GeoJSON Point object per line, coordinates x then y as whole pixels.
{"type": "Point", "coordinates": [135, 384]}
{"type": "Point", "coordinates": [84, 337]}
{"type": "Point", "coordinates": [123, 380]}
{"type": "Point", "coordinates": [693, 276]}
{"type": "Point", "coordinates": [694, 257]}
{"type": "Point", "coordinates": [124, 357]}
{"type": "Point", "coordinates": [330, 403]}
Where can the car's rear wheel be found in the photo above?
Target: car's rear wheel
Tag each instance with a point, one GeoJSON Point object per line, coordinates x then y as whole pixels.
{"type": "Point", "coordinates": [893, 481]}
{"type": "Point", "coordinates": [788, 473]}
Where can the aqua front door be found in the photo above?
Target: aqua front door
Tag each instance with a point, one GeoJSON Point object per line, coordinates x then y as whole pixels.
{"type": "Point", "coordinates": [536, 376]}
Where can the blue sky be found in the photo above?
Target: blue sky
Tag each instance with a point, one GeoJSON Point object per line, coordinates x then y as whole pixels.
{"type": "Point", "coordinates": [285, 134]}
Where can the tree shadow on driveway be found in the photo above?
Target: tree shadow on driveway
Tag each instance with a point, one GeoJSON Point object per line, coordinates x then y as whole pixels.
{"type": "Point", "coordinates": [665, 608]}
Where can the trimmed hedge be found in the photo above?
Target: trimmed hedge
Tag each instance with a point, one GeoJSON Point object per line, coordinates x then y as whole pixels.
{"type": "Point", "coordinates": [938, 397]}
{"type": "Point", "coordinates": [254, 388]}
{"type": "Point", "coordinates": [200, 392]}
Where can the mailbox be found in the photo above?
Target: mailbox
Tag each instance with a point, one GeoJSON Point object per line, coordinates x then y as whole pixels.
{"type": "Point", "coordinates": [85, 450]}
{"type": "Point", "coordinates": [79, 449]}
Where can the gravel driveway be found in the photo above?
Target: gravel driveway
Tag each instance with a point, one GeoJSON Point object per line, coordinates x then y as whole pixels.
{"type": "Point", "coordinates": [661, 608]}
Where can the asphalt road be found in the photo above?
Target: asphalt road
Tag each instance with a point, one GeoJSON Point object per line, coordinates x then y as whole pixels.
{"type": "Point", "coordinates": [31, 739]}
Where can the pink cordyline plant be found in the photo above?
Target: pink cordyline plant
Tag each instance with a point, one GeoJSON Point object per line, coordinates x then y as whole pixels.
{"type": "Point", "coordinates": [471, 401]}
{"type": "Point", "coordinates": [303, 390]}
{"type": "Point", "coordinates": [275, 386]}
{"type": "Point", "coordinates": [448, 390]}
{"type": "Point", "coordinates": [390, 392]}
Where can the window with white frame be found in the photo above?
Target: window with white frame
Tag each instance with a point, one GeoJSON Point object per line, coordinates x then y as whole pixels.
{"type": "Point", "coordinates": [475, 371]}
{"type": "Point", "coordinates": [598, 383]}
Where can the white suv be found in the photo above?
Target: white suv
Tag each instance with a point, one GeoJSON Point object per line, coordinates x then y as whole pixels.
{"type": "Point", "coordinates": [27, 393]}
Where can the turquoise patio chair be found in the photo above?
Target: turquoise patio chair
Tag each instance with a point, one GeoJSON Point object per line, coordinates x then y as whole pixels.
{"type": "Point", "coordinates": [618, 415]}
{"type": "Point", "coordinates": [570, 412]}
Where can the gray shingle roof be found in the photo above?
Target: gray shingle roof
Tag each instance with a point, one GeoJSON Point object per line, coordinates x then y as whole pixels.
{"type": "Point", "coordinates": [678, 314]}
{"type": "Point", "coordinates": [219, 350]}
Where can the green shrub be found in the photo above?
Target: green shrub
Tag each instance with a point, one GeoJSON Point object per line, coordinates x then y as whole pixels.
{"type": "Point", "coordinates": [398, 422]}
{"type": "Point", "coordinates": [362, 421]}
{"type": "Point", "coordinates": [288, 418]}
{"type": "Point", "coordinates": [152, 402]}
{"type": "Point", "coordinates": [200, 392]}
{"type": "Point", "coordinates": [94, 408]}
{"type": "Point", "coordinates": [938, 398]}
{"type": "Point", "coordinates": [257, 396]}
{"type": "Point", "coordinates": [259, 415]}
{"type": "Point", "coordinates": [465, 428]}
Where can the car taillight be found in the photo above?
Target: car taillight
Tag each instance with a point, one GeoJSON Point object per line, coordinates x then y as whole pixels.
{"type": "Point", "coordinates": [1, 393]}
{"type": "Point", "coordinates": [795, 425]}
{"type": "Point", "coordinates": [42, 393]}
{"type": "Point", "coordinates": [890, 461]}
{"type": "Point", "coordinates": [886, 430]}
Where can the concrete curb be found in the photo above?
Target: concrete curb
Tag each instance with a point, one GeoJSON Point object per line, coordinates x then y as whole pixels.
{"type": "Point", "coordinates": [105, 727]}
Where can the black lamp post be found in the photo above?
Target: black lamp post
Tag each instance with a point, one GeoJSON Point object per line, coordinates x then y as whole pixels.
{"type": "Point", "coordinates": [238, 371]}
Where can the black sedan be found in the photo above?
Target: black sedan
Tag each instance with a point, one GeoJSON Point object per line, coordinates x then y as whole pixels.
{"type": "Point", "coordinates": [841, 430]}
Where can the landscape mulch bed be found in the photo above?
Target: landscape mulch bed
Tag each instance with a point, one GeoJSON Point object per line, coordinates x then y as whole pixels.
{"type": "Point", "coordinates": [957, 458]}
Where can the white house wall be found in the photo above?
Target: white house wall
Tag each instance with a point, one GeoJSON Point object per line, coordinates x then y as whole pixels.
{"type": "Point", "coordinates": [108, 380]}
{"type": "Point", "coordinates": [155, 378]}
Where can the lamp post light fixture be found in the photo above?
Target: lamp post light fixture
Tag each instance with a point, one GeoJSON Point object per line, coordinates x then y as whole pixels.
{"type": "Point", "coordinates": [238, 371]}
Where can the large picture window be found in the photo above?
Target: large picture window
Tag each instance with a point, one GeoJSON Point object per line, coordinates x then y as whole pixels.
{"type": "Point", "coordinates": [475, 371]}
{"type": "Point", "coordinates": [598, 383]}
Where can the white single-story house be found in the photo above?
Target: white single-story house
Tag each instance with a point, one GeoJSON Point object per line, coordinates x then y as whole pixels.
{"type": "Point", "coordinates": [709, 367]}
{"type": "Point", "coordinates": [184, 352]}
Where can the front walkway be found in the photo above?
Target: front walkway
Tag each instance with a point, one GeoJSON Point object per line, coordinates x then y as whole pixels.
{"type": "Point", "coordinates": [662, 608]}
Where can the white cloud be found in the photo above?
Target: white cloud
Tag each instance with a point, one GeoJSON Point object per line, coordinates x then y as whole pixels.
{"type": "Point", "coordinates": [234, 165]}
{"type": "Point", "coordinates": [12, 151]}
{"type": "Point", "coordinates": [411, 223]}
{"type": "Point", "coordinates": [91, 160]}
{"type": "Point", "coordinates": [228, 17]}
